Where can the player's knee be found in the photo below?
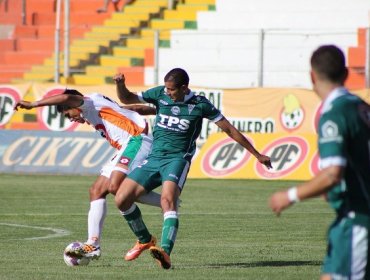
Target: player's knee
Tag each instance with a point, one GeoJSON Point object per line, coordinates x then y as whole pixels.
{"type": "Point", "coordinates": [167, 204]}
{"type": "Point", "coordinates": [113, 187]}
{"type": "Point", "coordinates": [122, 202]}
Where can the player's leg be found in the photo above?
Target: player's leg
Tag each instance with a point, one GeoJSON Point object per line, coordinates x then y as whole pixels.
{"type": "Point", "coordinates": [96, 217]}
{"type": "Point", "coordinates": [98, 209]}
{"type": "Point", "coordinates": [174, 175]}
{"type": "Point", "coordinates": [348, 249]}
{"type": "Point", "coordinates": [126, 195]}
{"type": "Point", "coordinates": [105, 7]}
{"type": "Point", "coordinates": [115, 4]}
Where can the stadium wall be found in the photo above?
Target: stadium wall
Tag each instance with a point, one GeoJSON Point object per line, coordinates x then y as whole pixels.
{"type": "Point", "coordinates": [240, 39]}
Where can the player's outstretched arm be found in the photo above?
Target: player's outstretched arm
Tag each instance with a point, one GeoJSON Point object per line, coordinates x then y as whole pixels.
{"type": "Point", "coordinates": [124, 95]}
{"type": "Point", "coordinates": [60, 99]}
{"type": "Point", "coordinates": [320, 184]}
{"type": "Point", "coordinates": [235, 134]}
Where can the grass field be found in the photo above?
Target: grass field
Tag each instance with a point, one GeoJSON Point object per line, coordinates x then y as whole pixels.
{"type": "Point", "coordinates": [226, 232]}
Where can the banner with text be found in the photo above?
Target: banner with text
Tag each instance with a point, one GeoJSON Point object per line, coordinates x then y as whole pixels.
{"type": "Point", "coordinates": [252, 110]}
{"type": "Point", "coordinates": [294, 157]}
{"type": "Point", "coordinates": [53, 152]}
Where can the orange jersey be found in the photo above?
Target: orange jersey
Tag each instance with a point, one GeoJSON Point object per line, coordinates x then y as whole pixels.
{"type": "Point", "coordinates": [114, 123]}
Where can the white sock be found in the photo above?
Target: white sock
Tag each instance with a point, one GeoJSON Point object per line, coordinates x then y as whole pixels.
{"type": "Point", "coordinates": [96, 217]}
{"type": "Point", "coordinates": [150, 198]}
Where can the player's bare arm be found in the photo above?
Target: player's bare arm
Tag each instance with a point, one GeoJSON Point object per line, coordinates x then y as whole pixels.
{"type": "Point", "coordinates": [123, 93]}
{"type": "Point", "coordinates": [235, 134]}
{"type": "Point", "coordinates": [320, 184]}
{"type": "Point", "coordinates": [141, 109]}
{"type": "Point", "coordinates": [60, 99]}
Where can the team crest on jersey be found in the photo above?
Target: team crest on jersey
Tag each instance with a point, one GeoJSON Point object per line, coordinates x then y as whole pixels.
{"type": "Point", "coordinates": [330, 132]}
{"type": "Point", "coordinates": [175, 110]}
{"type": "Point", "coordinates": [190, 108]}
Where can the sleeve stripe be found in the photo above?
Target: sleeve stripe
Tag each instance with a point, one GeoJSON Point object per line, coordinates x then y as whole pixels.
{"type": "Point", "coordinates": [217, 118]}
{"type": "Point", "coordinates": [332, 161]}
{"type": "Point", "coordinates": [140, 96]}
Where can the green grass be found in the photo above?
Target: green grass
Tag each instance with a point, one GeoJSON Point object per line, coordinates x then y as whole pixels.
{"type": "Point", "coordinates": [226, 232]}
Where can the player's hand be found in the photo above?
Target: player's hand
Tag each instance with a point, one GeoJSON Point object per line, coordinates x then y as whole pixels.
{"type": "Point", "coordinates": [265, 160]}
{"type": "Point", "coordinates": [279, 201]}
{"type": "Point", "coordinates": [119, 78]}
{"type": "Point", "coordinates": [24, 105]}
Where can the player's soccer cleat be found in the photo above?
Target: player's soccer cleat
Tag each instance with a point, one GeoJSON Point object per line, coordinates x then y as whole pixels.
{"type": "Point", "coordinates": [90, 251]}
{"type": "Point", "coordinates": [162, 258]}
{"type": "Point", "coordinates": [139, 248]}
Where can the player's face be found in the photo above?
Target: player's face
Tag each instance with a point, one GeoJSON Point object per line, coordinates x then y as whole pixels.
{"type": "Point", "coordinates": [74, 115]}
{"type": "Point", "coordinates": [176, 94]}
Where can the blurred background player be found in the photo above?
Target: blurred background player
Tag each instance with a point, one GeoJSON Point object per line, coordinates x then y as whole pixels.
{"type": "Point", "coordinates": [178, 124]}
{"type": "Point", "coordinates": [115, 4]}
{"type": "Point", "coordinates": [344, 148]}
{"type": "Point", "coordinates": [125, 130]}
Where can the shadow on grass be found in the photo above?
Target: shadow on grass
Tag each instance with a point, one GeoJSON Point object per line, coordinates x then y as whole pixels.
{"type": "Point", "coordinates": [266, 264]}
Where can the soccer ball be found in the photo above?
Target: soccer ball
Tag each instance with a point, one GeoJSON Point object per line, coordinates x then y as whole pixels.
{"type": "Point", "coordinates": [70, 258]}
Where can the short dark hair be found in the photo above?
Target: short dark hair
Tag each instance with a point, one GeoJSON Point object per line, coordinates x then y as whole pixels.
{"type": "Point", "coordinates": [178, 76]}
{"type": "Point", "coordinates": [328, 62]}
{"type": "Point", "coordinates": [61, 108]}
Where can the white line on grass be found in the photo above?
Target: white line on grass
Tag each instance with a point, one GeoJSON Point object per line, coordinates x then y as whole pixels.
{"type": "Point", "coordinates": [57, 232]}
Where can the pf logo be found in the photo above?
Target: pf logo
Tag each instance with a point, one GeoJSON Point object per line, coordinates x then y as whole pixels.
{"type": "Point", "coordinates": [286, 155]}
{"type": "Point", "coordinates": [8, 98]}
{"type": "Point", "coordinates": [224, 158]}
{"type": "Point", "coordinates": [50, 119]}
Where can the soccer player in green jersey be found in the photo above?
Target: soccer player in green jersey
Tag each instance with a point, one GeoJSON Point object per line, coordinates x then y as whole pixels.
{"type": "Point", "coordinates": [344, 148]}
{"type": "Point", "coordinates": [178, 124]}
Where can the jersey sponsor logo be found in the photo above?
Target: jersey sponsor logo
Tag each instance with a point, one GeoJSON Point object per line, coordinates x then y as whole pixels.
{"type": "Point", "coordinates": [175, 110]}
{"type": "Point", "coordinates": [330, 132]}
{"type": "Point", "coordinates": [124, 160]}
{"type": "Point", "coordinates": [101, 129]}
{"type": "Point", "coordinates": [8, 98]}
{"type": "Point", "coordinates": [286, 154]}
{"type": "Point", "coordinates": [50, 119]}
{"type": "Point", "coordinates": [173, 123]}
{"type": "Point", "coordinates": [163, 102]}
{"type": "Point", "coordinates": [224, 158]}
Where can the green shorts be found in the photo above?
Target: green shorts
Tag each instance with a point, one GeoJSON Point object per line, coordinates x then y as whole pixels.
{"type": "Point", "coordinates": [154, 171]}
{"type": "Point", "coordinates": [132, 153]}
{"type": "Point", "coordinates": [348, 248]}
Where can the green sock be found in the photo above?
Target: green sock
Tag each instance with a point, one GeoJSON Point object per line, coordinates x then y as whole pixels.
{"type": "Point", "coordinates": [136, 224]}
{"type": "Point", "coordinates": [169, 231]}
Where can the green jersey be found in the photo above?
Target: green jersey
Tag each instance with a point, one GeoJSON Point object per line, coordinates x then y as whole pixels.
{"type": "Point", "coordinates": [178, 124]}
{"type": "Point", "coordinates": [344, 140]}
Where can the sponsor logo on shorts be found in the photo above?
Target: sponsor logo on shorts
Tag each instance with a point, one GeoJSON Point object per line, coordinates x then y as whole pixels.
{"type": "Point", "coordinates": [173, 176]}
{"type": "Point", "coordinates": [124, 160]}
